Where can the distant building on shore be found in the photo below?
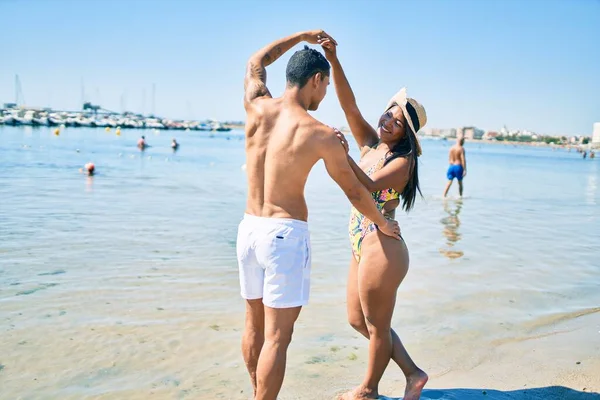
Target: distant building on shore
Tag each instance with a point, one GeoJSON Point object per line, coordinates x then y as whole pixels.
{"type": "Point", "coordinates": [471, 132]}
{"type": "Point", "coordinates": [596, 135]}
{"type": "Point", "coordinates": [490, 135]}
{"type": "Point", "coordinates": [448, 133]}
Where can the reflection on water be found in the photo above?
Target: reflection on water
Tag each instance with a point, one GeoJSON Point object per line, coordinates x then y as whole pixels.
{"type": "Point", "coordinates": [592, 185]}
{"type": "Point", "coordinates": [89, 184]}
{"type": "Point", "coordinates": [451, 223]}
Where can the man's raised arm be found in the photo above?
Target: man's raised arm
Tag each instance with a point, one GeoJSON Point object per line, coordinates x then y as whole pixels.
{"type": "Point", "coordinates": [255, 82]}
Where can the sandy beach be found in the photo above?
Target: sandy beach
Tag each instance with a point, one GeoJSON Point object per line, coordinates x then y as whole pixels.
{"type": "Point", "coordinates": [555, 361]}
{"type": "Point", "coordinates": [175, 356]}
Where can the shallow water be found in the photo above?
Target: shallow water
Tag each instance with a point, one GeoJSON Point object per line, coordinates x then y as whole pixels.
{"type": "Point", "coordinates": [125, 284]}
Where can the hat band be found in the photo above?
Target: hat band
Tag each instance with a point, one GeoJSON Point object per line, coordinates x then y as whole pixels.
{"type": "Point", "coordinates": [413, 116]}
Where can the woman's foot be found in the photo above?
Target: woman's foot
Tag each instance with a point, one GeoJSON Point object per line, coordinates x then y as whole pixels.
{"type": "Point", "coordinates": [360, 393]}
{"type": "Point", "coordinates": [414, 385]}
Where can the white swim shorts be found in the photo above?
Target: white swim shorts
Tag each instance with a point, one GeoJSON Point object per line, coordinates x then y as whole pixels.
{"type": "Point", "coordinates": [274, 260]}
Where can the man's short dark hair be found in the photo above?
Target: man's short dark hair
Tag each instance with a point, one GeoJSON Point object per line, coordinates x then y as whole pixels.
{"type": "Point", "coordinates": [303, 65]}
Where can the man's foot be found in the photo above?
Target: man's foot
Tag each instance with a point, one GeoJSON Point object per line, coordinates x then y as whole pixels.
{"type": "Point", "coordinates": [414, 385]}
{"type": "Point", "coordinates": [360, 393]}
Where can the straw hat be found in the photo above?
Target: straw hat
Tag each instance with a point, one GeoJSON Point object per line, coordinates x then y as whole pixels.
{"type": "Point", "coordinates": [413, 111]}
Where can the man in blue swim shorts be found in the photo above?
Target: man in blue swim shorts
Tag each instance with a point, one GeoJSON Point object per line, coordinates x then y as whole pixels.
{"type": "Point", "coordinates": [458, 165]}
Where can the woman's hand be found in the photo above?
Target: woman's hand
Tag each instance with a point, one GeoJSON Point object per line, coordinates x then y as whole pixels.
{"type": "Point", "coordinates": [343, 140]}
{"type": "Point", "coordinates": [329, 47]}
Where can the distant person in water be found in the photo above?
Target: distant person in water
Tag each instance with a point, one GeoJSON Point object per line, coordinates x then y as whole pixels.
{"type": "Point", "coordinates": [88, 169]}
{"type": "Point", "coordinates": [592, 154]}
{"type": "Point", "coordinates": [458, 165]}
{"type": "Point", "coordinates": [141, 144]}
{"type": "Point", "coordinates": [174, 144]}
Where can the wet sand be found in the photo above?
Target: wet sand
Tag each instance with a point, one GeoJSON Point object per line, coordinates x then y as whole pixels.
{"type": "Point", "coordinates": [166, 351]}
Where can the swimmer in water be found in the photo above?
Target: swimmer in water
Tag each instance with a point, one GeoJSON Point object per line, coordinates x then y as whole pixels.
{"type": "Point", "coordinates": [88, 169]}
{"type": "Point", "coordinates": [141, 144]}
{"type": "Point", "coordinates": [174, 144]}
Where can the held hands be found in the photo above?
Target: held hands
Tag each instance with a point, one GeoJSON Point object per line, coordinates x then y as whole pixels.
{"type": "Point", "coordinates": [316, 36]}
{"type": "Point", "coordinates": [329, 47]}
{"type": "Point", "coordinates": [328, 43]}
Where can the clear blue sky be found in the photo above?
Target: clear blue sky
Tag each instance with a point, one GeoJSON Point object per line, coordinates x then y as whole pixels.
{"type": "Point", "coordinates": [527, 64]}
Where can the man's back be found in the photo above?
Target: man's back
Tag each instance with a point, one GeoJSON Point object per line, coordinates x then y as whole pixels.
{"type": "Point", "coordinates": [458, 165]}
{"type": "Point", "coordinates": [456, 154]}
{"type": "Point", "coordinates": [281, 149]}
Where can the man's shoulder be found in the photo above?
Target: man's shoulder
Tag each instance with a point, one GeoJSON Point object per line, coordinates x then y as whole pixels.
{"type": "Point", "coordinates": [316, 135]}
{"type": "Point", "coordinates": [316, 127]}
{"type": "Point", "coordinates": [264, 104]}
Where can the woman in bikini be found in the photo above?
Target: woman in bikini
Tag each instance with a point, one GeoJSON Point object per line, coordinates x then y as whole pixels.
{"type": "Point", "coordinates": [388, 168]}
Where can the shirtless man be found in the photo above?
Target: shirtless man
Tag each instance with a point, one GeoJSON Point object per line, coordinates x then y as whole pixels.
{"type": "Point", "coordinates": [283, 143]}
{"type": "Point", "coordinates": [141, 144]}
{"type": "Point", "coordinates": [458, 165]}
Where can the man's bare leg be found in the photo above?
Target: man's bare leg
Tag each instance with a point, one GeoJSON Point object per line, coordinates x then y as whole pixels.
{"type": "Point", "coordinates": [279, 326]}
{"type": "Point", "coordinates": [254, 337]}
{"type": "Point", "coordinates": [460, 188]}
{"type": "Point", "coordinates": [447, 188]}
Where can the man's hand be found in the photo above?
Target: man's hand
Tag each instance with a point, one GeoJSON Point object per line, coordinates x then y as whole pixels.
{"type": "Point", "coordinates": [464, 173]}
{"type": "Point", "coordinates": [343, 140]}
{"type": "Point", "coordinates": [329, 47]}
{"type": "Point", "coordinates": [391, 228]}
{"type": "Point", "coordinates": [314, 37]}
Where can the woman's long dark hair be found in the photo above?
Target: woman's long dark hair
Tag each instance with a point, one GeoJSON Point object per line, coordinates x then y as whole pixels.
{"type": "Point", "coordinates": [407, 148]}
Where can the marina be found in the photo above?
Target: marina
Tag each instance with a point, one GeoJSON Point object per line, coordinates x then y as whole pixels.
{"type": "Point", "coordinates": [94, 116]}
{"type": "Point", "coordinates": [12, 115]}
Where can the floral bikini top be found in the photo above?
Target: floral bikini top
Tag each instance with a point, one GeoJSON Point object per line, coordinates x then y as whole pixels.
{"type": "Point", "coordinates": [385, 195]}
